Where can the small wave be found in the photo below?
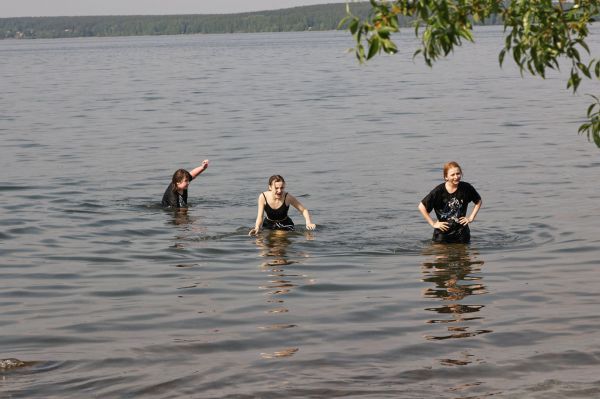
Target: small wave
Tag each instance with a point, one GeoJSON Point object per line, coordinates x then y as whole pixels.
{"type": "Point", "coordinates": [502, 241]}
{"type": "Point", "coordinates": [483, 240]}
{"type": "Point", "coordinates": [7, 187]}
{"type": "Point", "coordinates": [217, 237]}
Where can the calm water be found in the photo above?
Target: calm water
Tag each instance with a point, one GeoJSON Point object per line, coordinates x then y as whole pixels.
{"type": "Point", "coordinates": [104, 294]}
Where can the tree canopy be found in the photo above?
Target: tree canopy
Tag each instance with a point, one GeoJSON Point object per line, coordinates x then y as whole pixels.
{"type": "Point", "coordinates": [538, 34]}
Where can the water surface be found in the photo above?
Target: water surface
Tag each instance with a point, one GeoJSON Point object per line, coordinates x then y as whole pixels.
{"type": "Point", "coordinates": [105, 294]}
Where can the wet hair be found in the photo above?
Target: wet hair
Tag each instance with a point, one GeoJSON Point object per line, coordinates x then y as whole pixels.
{"type": "Point", "coordinates": [450, 165]}
{"type": "Point", "coordinates": [179, 176]}
{"type": "Point", "coordinates": [276, 178]}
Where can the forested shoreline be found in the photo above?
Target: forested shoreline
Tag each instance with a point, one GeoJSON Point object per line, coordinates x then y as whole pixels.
{"type": "Point", "coordinates": [316, 17]}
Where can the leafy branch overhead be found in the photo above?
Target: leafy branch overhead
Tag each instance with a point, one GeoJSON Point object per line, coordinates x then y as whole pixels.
{"type": "Point", "coordinates": [538, 34]}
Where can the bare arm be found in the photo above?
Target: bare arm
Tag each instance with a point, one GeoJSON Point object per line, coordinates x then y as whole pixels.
{"type": "Point", "coordinates": [464, 221]}
{"type": "Point", "coordinates": [304, 211]}
{"type": "Point", "coordinates": [259, 216]}
{"type": "Point", "coordinates": [199, 169]}
{"type": "Point", "coordinates": [435, 224]}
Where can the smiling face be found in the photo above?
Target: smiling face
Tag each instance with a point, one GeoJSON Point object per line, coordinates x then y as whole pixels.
{"type": "Point", "coordinates": [277, 188]}
{"type": "Point", "coordinates": [453, 175]}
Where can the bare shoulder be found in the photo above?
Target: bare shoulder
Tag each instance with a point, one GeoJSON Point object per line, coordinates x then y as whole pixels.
{"type": "Point", "coordinates": [261, 198]}
{"type": "Point", "coordinates": [289, 198]}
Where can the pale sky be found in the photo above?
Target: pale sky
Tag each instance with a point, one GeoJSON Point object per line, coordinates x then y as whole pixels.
{"type": "Point", "coordinates": [38, 8]}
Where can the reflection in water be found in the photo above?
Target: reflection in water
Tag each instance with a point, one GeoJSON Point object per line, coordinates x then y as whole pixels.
{"type": "Point", "coordinates": [283, 353]}
{"type": "Point", "coordinates": [187, 226]}
{"type": "Point", "coordinates": [181, 217]}
{"type": "Point", "coordinates": [455, 272]}
{"type": "Point", "coordinates": [274, 247]}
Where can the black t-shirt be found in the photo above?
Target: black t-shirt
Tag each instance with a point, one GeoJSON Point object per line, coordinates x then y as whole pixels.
{"type": "Point", "coordinates": [450, 208]}
{"type": "Point", "coordinates": [173, 199]}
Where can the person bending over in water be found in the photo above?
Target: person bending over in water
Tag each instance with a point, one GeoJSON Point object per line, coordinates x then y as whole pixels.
{"type": "Point", "coordinates": [275, 203]}
{"type": "Point", "coordinates": [450, 200]}
{"type": "Point", "coordinates": [176, 193]}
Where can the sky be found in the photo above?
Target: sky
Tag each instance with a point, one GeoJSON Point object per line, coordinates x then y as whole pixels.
{"type": "Point", "coordinates": [46, 8]}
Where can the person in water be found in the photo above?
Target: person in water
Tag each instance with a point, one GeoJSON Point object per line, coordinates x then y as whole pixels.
{"type": "Point", "coordinates": [276, 203]}
{"type": "Point", "coordinates": [177, 192]}
{"type": "Point", "coordinates": [450, 200]}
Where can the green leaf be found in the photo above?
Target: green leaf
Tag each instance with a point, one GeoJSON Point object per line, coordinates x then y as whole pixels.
{"type": "Point", "coordinates": [574, 81]}
{"type": "Point", "coordinates": [466, 33]}
{"type": "Point", "coordinates": [389, 46]}
{"type": "Point", "coordinates": [417, 52]}
{"type": "Point", "coordinates": [584, 69]}
{"type": "Point", "coordinates": [353, 27]}
{"type": "Point", "coordinates": [384, 32]}
{"type": "Point", "coordinates": [591, 109]}
{"type": "Point", "coordinates": [573, 53]}
{"type": "Point", "coordinates": [374, 44]}
{"type": "Point", "coordinates": [508, 42]}
{"type": "Point", "coordinates": [360, 53]}
{"type": "Point", "coordinates": [583, 128]}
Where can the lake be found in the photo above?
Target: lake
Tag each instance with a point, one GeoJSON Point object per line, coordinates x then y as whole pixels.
{"type": "Point", "coordinates": [105, 294]}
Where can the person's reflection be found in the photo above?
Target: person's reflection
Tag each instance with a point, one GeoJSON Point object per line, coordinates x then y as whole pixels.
{"type": "Point", "coordinates": [274, 249]}
{"type": "Point", "coordinates": [455, 271]}
{"type": "Point", "coordinates": [187, 228]}
{"type": "Point", "coordinates": [181, 217]}
{"type": "Point", "coordinates": [273, 245]}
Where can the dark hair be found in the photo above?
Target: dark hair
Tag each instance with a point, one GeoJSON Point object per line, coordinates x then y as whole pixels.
{"type": "Point", "coordinates": [179, 176]}
{"type": "Point", "coordinates": [276, 178]}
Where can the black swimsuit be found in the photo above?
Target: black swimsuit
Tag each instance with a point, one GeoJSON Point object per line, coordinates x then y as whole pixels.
{"type": "Point", "coordinates": [277, 219]}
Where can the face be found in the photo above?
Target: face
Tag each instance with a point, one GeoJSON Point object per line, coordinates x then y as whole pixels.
{"type": "Point", "coordinates": [277, 188]}
{"type": "Point", "coordinates": [454, 175]}
{"type": "Point", "coordinates": [183, 185]}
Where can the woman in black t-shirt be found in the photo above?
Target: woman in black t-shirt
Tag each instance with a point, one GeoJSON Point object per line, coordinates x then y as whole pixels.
{"type": "Point", "coordinates": [450, 200]}
{"type": "Point", "coordinates": [175, 195]}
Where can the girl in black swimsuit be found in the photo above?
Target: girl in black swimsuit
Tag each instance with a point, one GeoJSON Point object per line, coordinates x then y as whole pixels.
{"type": "Point", "coordinates": [277, 219]}
{"type": "Point", "coordinates": [276, 203]}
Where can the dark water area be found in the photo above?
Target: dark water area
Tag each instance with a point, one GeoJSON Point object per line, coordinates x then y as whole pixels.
{"type": "Point", "coordinates": [105, 294]}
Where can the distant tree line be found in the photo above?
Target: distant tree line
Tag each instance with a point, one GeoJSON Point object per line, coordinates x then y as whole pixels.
{"type": "Point", "coordinates": [316, 17]}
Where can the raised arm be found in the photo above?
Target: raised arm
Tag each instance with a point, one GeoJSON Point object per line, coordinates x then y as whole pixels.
{"type": "Point", "coordinates": [296, 204]}
{"type": "Point", "coordinates": [259, 216]}
{"type": "Point", "coordinates": [199, 169]}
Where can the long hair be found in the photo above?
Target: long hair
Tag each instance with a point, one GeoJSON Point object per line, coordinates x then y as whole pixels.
{"type": "Point", "coordinates": [179, 176]}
